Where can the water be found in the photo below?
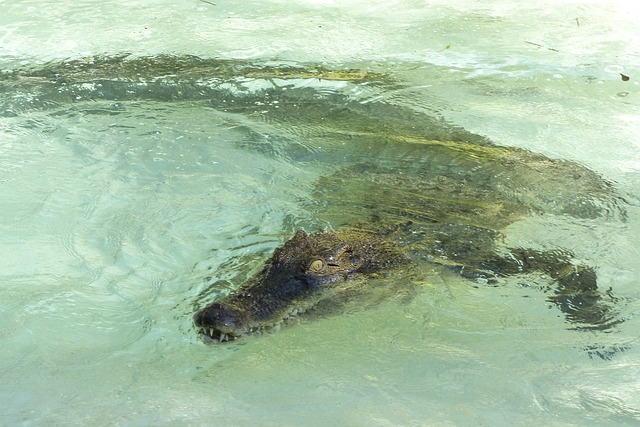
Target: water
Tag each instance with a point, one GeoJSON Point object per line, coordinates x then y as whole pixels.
{"type": "Point", "coordinates": [116, 216]}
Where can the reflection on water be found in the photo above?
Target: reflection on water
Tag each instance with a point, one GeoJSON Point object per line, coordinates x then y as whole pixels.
{"type": "Point", "coordinates": [124, 203]}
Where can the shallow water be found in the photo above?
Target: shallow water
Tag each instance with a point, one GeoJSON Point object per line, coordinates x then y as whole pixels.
{"type": "Point", "coordinates": [117, 216]}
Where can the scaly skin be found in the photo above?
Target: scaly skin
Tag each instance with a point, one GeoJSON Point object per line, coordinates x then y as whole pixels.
{"type": "Point", "coordinates": [305, 270]}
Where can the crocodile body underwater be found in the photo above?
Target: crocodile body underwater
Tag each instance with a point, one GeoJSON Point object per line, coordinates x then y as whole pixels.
{"type": "Point", "coordinates": [403, 187]}
{"type": "Point", "coordinates": [388, 223]}
{"type": "Point", "coordinates": [325, 270]}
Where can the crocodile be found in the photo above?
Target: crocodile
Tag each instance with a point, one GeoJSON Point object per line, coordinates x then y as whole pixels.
{"type": "Point", "coordinates": [449, 207]}
{"type": "Point", "coordinates": [322, 271]}
{"type": "Point", "coordinates": [400, 187]}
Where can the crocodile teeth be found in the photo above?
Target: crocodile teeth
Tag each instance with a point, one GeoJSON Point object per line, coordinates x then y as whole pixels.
{"type": "Point", "coordinates": [211, 332]}
{"type": "Point", "coordinates": [223, 338]}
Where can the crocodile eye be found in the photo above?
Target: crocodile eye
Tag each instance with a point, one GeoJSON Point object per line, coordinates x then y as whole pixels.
{"type": "Point", "coordinates": [316, 265]}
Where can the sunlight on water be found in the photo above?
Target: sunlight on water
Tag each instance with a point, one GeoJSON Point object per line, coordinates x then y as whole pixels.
{"type": "Point", "coordinates": [123, 212]}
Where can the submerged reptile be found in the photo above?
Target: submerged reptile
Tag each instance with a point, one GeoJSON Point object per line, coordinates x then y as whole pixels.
{"type": "Point", "coordinates": [326, 270]}
{"type": "Point", "coordinates": [455, 225]}
{"type": "Point", "coordinates": [405, 188]}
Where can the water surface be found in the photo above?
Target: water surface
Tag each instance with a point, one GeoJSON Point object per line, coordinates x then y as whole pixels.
{"type": "Point", "coordinates": [116, 216]}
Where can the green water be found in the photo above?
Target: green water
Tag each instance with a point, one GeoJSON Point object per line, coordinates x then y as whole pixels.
{"type": "Point", "coordinates": [116, 215]}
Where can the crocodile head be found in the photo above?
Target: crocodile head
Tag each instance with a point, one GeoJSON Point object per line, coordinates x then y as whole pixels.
{"type": "Point", "coordinates": [308, 270]}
